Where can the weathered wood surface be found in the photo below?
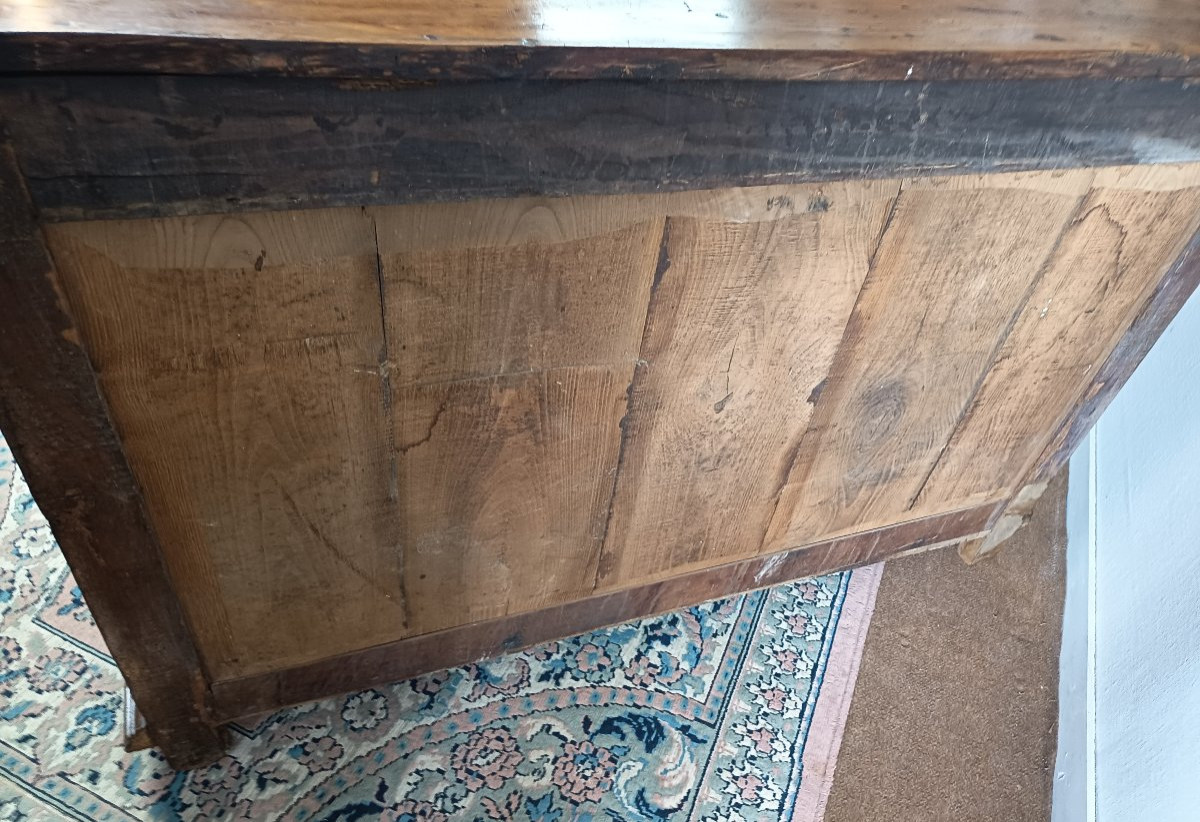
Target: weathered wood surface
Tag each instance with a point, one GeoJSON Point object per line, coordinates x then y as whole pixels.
{"type": "Point", "coordinates": [118, 146]}
{"type": "Point", "coordinates": [55, 421]}
{"type": "Point", "coordinates": [254, 695]}
{"type": "Point", "coordinates": [511, 352]}
{"type": "Point", "coordinates": [330, 420]}
{"type": "Point", "coordinates": [743, 323]}
{"type": "Point", "coordinates": [787, 39]}
{"type": "Point", "coordinates": [360, 426]}
{"type": "Point", "coordinates": [1127, 231]}
{"type": "Point", "coordinates": [434, 62]}
{"type": "Point", "coordinates": [1170, 293]}
{"type": "Point", "coordinates": [241, 360]}
{"type": "Point", "coordinates": [925, 329]}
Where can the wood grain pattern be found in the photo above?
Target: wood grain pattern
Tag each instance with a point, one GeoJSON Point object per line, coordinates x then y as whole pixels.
{"type": "Point", "coordinates": [1165, 26]}
{"type": "Point", "coordinates": [241, 359]}
{"type": "Point", "coordinates": [120, 146]}
{"type": "Point", "coordinates": [512, 347]}
{"type": "Point", "coordinates": [420, 428]}
{"type": "Point", "coordinates": [743, 323]}
{"type": "Point", "coordinates": [535, 304]}
{"type": "Point", "coordinates": [505, 484]}
{"type": "Point", "coordinates": [360, 427]}
{"type": "Point", "coordinates": [952, 267]}
{"type": "Point", "coordinates": [246, 697]}
{"type": "Point", "coordinates": [432, 62]}
{"type": "Point", "coordinates": [1128, 231]}
{"type": "Point", "coordinates": [55, 421]}
{"type": "Point", "coordinates": [1173, 290]}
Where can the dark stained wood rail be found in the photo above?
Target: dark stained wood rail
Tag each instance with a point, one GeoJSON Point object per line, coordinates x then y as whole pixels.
{"type": "Point", "coordinates": [109, 146]}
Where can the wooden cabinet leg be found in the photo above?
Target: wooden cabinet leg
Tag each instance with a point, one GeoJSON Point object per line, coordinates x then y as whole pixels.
{"type": "Point", "coordinates": [56, 422]}
{"type": "Point", "coordinates": [189, 744]}
{"type": "Point", "coordinates": [1015, 515]}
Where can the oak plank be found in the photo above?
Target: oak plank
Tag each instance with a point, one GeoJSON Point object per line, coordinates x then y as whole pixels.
{"type": "Point", "coordinates": [241, 359]}
{"type": "Point", "coordinates": [513, 331]}
{"type": "Point", "coordinates": [743, 323]}
{"type": "Point", "coordinates": [535, 304]}
{"type": "Point", "coordinates": [504, 490]}
{"type": "Point", "coordinates": [1109, 260]}
{"type": "Point", "coordinates": [952, 268]}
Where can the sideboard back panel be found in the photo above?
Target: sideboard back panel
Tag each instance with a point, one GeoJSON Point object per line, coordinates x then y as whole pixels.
{"type": "Point", "coordinates": [353, 426]}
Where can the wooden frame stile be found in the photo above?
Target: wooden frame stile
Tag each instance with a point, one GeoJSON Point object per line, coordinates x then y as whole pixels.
{"type": "Point", "coordinates": [55, 421]}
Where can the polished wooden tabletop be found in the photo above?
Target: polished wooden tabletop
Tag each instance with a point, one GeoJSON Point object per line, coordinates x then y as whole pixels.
{"type": "Point", "coordinates": [1129, 26]}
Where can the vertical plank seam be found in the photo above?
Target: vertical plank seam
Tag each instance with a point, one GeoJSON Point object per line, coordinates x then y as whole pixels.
{"type": "Point", "coordinates": [794, 451]}
{"type": "Point", "coordinates": [389, 422]}
{"type": "Point", "coordinates": [639, 367]}
{"type": "Point", "coordinates": [969, 404]}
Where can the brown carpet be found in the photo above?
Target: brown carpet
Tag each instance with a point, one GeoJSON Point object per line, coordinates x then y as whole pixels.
{"type": "Point", "coordinates": [955, 711]}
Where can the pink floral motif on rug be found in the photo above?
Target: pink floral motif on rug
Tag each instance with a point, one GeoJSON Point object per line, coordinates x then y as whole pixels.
{"type": "Point", "coordinates": [731, 710]}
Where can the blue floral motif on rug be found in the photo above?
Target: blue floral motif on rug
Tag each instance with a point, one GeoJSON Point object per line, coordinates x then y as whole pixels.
{"type": "Point", "coordinates": [700, 714]}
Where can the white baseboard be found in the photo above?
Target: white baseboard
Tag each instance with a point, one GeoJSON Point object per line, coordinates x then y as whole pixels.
{"type": "Point", "coordinates": [1075, 766]}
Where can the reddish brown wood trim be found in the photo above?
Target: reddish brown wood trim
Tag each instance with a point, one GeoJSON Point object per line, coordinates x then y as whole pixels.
{"type": "Point", "coordinates": [134, 54]}
{"type": "Point", "coordinates": [233, 699]}
{"type": "Point", "coordinates": [56, 422]}
{"type": "Point", "coordinates": [1172, 291]}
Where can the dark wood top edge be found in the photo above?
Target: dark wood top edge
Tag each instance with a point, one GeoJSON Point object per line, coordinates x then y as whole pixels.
{"type": "Point", "coordinates": [146, 54]}
{"type": "Point", "coordinates": [101, 147]}
{"type": "Point", "coordinates": [395, 661]}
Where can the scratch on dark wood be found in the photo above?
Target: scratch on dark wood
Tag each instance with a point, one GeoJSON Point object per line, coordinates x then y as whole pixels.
{"type": "Point", "coordinates": [454, 142]}
{"type": "Point", "coordinates": [400, 65]}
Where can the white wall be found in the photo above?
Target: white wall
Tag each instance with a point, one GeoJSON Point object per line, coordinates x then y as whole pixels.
{"type": "Point", "coordinates": [1074, 773]}
{"type": "Point", "coordinates": [1145, 550]}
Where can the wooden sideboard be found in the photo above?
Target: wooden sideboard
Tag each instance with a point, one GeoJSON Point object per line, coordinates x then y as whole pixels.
{"type": "Point", "coordinates": [340, 347]}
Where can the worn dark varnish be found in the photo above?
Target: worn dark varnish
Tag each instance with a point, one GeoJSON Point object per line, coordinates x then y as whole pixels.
{"type": "Point", "coordinates": [142, 146]}
{"type": "Point", "coordinates": [121, 53]}
{"type": "Point", "coordinates": [234, 699]}
{"type": "Point", "coordinates": [57, 426]}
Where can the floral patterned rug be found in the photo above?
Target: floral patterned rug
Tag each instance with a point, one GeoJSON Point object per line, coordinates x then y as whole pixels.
{"type": "Point", "coordinates": [731, 710]}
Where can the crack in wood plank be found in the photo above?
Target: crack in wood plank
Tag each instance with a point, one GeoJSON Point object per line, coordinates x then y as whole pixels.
{"type": "Point", "coordinates": [639, 367]}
